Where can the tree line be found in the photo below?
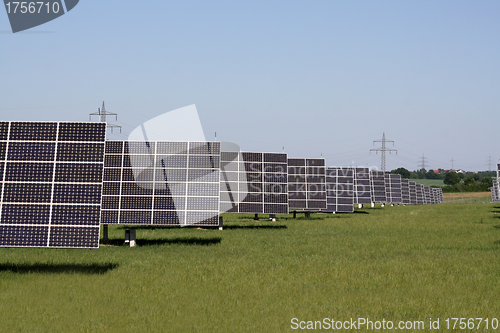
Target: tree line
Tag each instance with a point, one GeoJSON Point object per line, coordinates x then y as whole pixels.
{"type": "Point", "coordinates": [480, 181]}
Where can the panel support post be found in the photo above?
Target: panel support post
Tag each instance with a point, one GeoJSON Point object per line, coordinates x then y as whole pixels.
{"type": "Point", "coordinates": [105, 233]}
{"type": "Point", "coordinates": [221, 222]}
{"type": "Point", "coordinates": [294, 214]}
{"type": "Point", "coordinates": [256, 218]}
{"type": "Point", "coordinates": [308, 215]}
{"type": "Point", "coordinates": [130, 236]}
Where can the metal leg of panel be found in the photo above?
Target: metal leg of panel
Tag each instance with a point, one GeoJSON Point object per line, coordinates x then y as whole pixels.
{"type": "Point", "coordinates": [221, 222]}
{"type": "Point", "coordinates": [105, 238]}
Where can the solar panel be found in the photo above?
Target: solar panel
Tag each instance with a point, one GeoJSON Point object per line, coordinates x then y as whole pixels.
{"type": "Point", "coordinates": [420, 194]}
{"type": "Point", "coordinates": [339, 189]}
{"type": "Point", "coordinates": [427, 195]}
{"type": "Point", "coordinates": [405, 191]}
{"type": "Point", "coordinates": [494, 191]}
{"type": "Point", "coordinates": [254, 182]}
{"type": "Point", "coordinates": [393, 188]}
{"type": "Point", "coordinates": [435, 195]}
{"type": "Point", "coordinates": [51, 184]}
{"type": "Point", "coordinates": [413, 192]}
{"type": "Point", "coordinates": [161, 183]}
{"type": "Point", "coordinates": [498, 170]}
{"type": "Point", "coordinates": [306, 184]}
{"type": "Point", "coordinates": [440, 195]}
{"type": "Point", "coordinates": [378, 186]}
{"type": "Point", "coordinates": [362, 193]}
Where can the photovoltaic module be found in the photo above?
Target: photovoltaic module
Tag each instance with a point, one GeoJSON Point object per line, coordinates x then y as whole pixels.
{"type": "Point", "coordinates": [405, 191]}
{"type": "Point", "coordinates": [340, 189]}
{"type": "Point", "coordinates": [51, 184]}
{"type": "Point", "coordinates": [161, 183]}
{"type": "Point", "coordinates": [306, 184]}
{"type": "Point", "coordinates": [393, 188]}
{"type": "Point", "coordinates": [377, 179]}
{"type": "Point", "coordinates": [362, 193]}
{"type": "Point", "coordinates": [253, 182]}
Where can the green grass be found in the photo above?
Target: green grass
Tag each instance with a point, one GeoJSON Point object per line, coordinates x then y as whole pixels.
{"type": "Point", "coordinates": [393, 263]}
{"type": "Point", "coordinates": [429, 182]}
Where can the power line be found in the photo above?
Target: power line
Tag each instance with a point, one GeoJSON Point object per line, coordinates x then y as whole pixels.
{"type": "Point", "coordinates": [383, 149]}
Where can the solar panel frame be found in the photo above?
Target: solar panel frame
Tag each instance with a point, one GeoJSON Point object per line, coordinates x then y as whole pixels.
{"type": "Point", "coordinates": [339, 189]}
{"type": "Point", "coordinates": [362, 188]}
{"type": "Point", "coordinates": [494, 191]}
{"type": "Point", "coordinates": [405, 191]}
{"type": "Point", "coordinates": [254, 182]}
{"type": "Point", "coordinates": [427, 195]}
{"type": "Point", "coordinates": [306, 184]}
{"type": "Point", "coordinates": [50, 196]}
{"type": "Point", "coordinates": [412, 186]}
{"type": "Point", "coordinates": [393, 188]}
{"type": "Point", "coordinates": [161, 183]}
{"type": "Point", "coordinates": [420, 194]}
{"type": "Point", "coordinates": [378, 191]}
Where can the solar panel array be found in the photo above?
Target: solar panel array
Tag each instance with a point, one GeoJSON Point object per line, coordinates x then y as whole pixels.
{"type": "Point", "coordinates": [412, 187]}
{"type": "Point", "coordinates": [51, 184]}
{"type": "Point", "coordinates": [494, 191]}
{"type": "Point", "coordinates": [254, 183]}
{"type": "Point", "coordinates": [306, 184]}
{"type": "Point", "coordinates": [362, 193]}
{"type": "Point", "coordinates": [393, 188]}
{"type": "Point", "coordinates": [427, 195]}
{"type": "Point", "coordinates": [339, 189]}
{"type": "Point", "coordinates": [161, 183]}
{"type": "Point", "coordinates": [377, 179]}
{"type": "Point", "coordinates": [405, 191]}
{"type": "Point", "coordinates": [420, 194]}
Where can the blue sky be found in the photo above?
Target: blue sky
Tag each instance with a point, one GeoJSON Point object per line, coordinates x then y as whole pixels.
{"type": "Point", "coordinates": [315, 77]}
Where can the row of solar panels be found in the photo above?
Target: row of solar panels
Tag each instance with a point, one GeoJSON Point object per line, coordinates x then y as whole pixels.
{"type": "Point", "coordinates": [60, 181]}
{"type": "Point", "coordinates": [495, 194]}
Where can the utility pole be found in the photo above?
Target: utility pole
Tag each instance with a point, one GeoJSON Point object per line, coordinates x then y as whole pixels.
{"type": "Point", "coordinates": [102, 113]}
{"type": "Point", "coordinates": [489, 163]}
{"type": "Point", "coordinates": [422, 163]}
{"type": "Point", "coordinates": [452, 160]}
{"type": "Point", "coordinates": [383, 149]}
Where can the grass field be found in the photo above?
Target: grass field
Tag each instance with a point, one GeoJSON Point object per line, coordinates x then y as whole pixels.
{"type": "Point", "coordinates": [429, 182]}
{"type": "Point", "coordinates": [406, 263]}
{"type": "Point", "coordinates": [467, 197]}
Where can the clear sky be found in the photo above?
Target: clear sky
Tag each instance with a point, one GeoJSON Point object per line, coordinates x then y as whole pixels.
{"type": "Point", "coordinates": [316, 77]}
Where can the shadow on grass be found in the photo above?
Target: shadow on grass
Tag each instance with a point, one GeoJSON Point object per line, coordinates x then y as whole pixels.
{"type": "Point", "coordinates": [58, 268]}
{"type": "Point", "coordinates": [171, 241]}
{"type": "Point", "coordinates": [361, 212]}
{"type": "Point", "coordinates": [255, 227]}
{"type": "Point", "coordinates": [163, 227]}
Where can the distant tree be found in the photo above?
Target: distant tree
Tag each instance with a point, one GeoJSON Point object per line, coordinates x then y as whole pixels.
{"type": "Point", "coordinates": [468, 181]}
{"type": "Point", "coordinates": [431, 175]}
{"type": "Point", "coordinates": [413, 175]}
{"type": "Point", "coordinates": [486, 183]}
{"type": "Point", "coordinates": [451, 178]}
{"type": "Point", "coordinates": [401, 171]}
